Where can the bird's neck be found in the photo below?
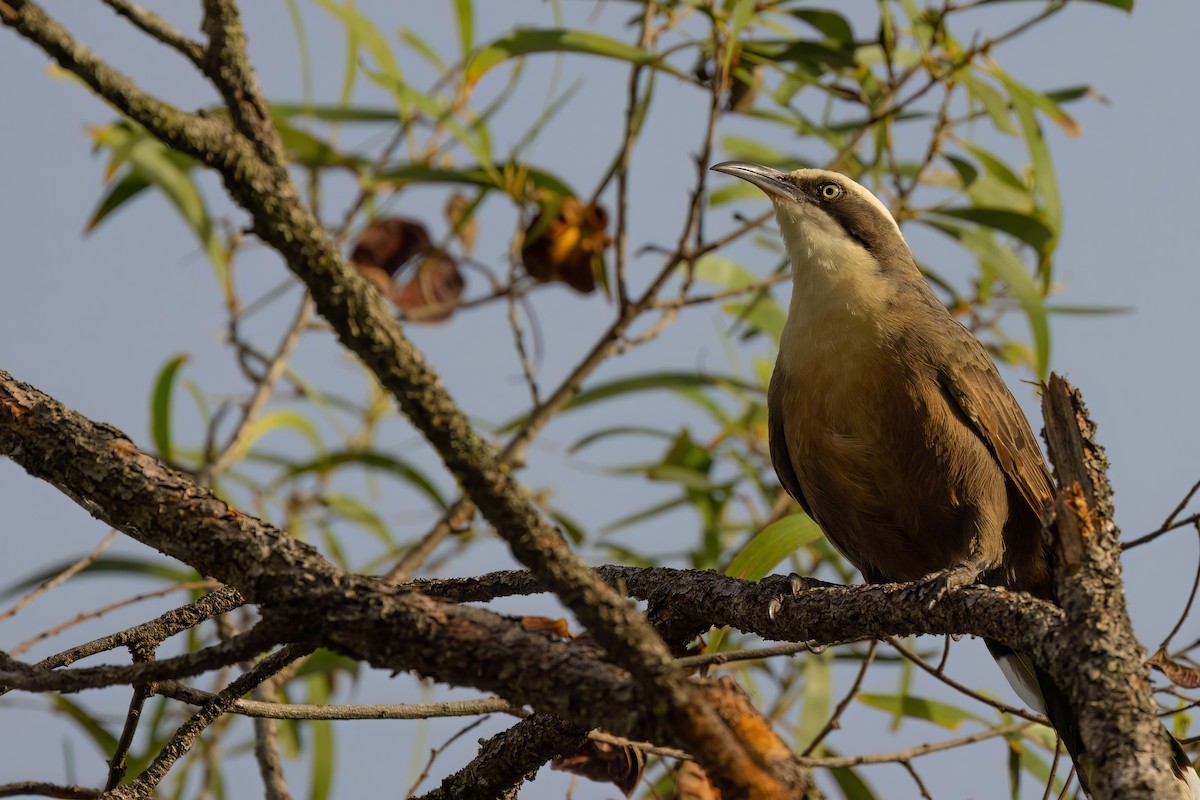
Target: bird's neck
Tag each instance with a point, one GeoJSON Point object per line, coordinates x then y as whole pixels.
{"type": "Point", "coordinates": [838, 298]}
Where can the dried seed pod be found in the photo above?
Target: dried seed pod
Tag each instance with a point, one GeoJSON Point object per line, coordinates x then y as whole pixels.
{"type": "Point", "coordinates": [432, 291]}
{"type": "Point", "coordinates": [390, 243]}
{"type": "Point", "coordinates": [567, 243]}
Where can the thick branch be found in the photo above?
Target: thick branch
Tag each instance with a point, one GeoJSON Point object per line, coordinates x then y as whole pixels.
{"type": "Point", "coordinates": [1109, 684]}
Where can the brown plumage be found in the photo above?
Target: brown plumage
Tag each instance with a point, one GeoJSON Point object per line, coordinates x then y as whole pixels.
{"type": "Point", "coordinates": [890, 425]}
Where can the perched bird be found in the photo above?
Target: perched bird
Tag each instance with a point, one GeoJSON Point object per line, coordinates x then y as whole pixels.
{"type": "Point", "coordinates": [890, 425]}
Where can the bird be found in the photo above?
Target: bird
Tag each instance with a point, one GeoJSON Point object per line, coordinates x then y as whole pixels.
{"type": "Point", "coordinates": [890, 425]}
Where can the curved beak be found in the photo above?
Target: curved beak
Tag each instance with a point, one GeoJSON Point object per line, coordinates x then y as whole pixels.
{"type": "Point", "coordinates": [771, 181]}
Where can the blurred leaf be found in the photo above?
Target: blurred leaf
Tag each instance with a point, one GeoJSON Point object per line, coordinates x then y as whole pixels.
{"type": "Point", "coordinates": [284, 418]}
{"type": "Point", "coordinates": [423, 48]}
{"type": "Point", "coordinates": [830, 23]}
{"type": "Point", "coordinates": [852, 786]}
{"type": "Point", "coordinates": [817, 56]}
{"type": "Point", "coordinates": [743, 10]}
{"type": "Point", "coordinates": [327, 113]}
{"type": "Point", "coordinates": [1025, 759]}
{"type": "Point", "coordinates": [464, 17]}
{"type": "Point", "coordinates": [512, 174]}
{"type": "Point", "coordinates": [363, 31]}
{"type": "Point", "coordinates": [619, 430]}
{"type": "Point", "coordinates": [656, 381]}
{"type": "Point", "coordinates": [965, 169]}
{"type": "Point", "coordinates": [442, 116]}
{"type": "Point", "coordinates": [817, 678]}
{"type": "Point", "coordinates": [1025, 100]}
{"type": "Point", "coordinates": [160, 407]}
{"type": "Point", "coordinates": [935, 711]}
{"type": "Point", "coordinates": [558, 40]}
{"type": "Point", "coordinates": [118, 195]}
{"type": "Point", "coordinates": [369, 459]}
{"type": "Point", "coordinates": [91, 727]}
{"type": "Point", "coordinates": [304, 148]}
{"type": "Point", "coordinates": [768, 548]}
{"type": "Point", "coordinates": [1026, 227]}
{"type": "Point", "coordinates": [355, 511]}
{"type": "Point", "coordinates": [323, 751]}
{"type": "Point", "coordinates": [992, 100]}
{"type": "Point", "coordinates": [167, 170]}
{"type": "Point", "coordinates": [103, 566]}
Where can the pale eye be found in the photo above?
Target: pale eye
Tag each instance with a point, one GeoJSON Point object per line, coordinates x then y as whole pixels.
{"type": "Point", "coordinates": [831, 191]}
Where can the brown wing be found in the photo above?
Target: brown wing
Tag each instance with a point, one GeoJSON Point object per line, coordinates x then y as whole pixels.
{"type": "Point", "coordinates": [781, 459]}
{"type": "Point", "coordinates": [976, 389]}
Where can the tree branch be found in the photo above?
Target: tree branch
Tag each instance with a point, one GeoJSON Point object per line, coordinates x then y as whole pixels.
{"type": "Point", "coordinates": [1128, 745]}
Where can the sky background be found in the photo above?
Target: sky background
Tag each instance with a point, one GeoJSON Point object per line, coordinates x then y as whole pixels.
{"type": "Point", "coordinates": [90, 320]}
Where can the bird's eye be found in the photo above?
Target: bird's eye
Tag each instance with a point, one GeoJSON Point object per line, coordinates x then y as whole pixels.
{"type": "Point", "coordinates": [831, 191]}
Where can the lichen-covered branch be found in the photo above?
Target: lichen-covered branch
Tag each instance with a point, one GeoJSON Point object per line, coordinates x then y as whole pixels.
{"type": "Point", "coordinates": [1110, 684]}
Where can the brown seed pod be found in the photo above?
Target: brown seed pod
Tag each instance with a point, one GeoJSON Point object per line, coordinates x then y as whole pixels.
{"type": "Point", "coordinates": [566, 242]}
{"type": "Point", "coordinates": [433, 290]}
{"type": "Point", "coordinates": [390, 243]}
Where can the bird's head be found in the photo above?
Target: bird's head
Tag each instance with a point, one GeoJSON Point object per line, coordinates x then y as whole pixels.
{"type": "Point", "coordinates": [828, 220]}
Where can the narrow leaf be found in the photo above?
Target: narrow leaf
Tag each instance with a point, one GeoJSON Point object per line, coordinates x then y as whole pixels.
{"type": "Point", "coordinates": [160, 407]}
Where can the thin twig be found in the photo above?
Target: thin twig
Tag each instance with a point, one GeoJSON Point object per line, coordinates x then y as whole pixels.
{"type": "Point", "coordinates": [158, 28]}
{"type": "Point", "coordinates": [835, 718]}
{"type": "Point", "coordinates": [258, 400]}
{"type": "Point", "coordinates": [186, 735]}
{"type": "Point", "coordinates": [96, 613]}
{"type": "Point", "coordinates": [953, 684]}
{"type": "Point", "coordinates": [62, 577]}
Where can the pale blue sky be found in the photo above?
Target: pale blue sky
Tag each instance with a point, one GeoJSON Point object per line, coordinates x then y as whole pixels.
{"type": "Point", "coordinates": [90, 320]}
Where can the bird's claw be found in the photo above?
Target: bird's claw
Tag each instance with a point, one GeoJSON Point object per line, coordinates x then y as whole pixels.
{"type": "Point", "coordinates": [936, 586]}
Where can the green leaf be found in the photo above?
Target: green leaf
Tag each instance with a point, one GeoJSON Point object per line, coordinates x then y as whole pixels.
{"type": "Point", "coordinates": [464, 17]}
{"type": "Point", "coordinates": [283, 418]}
{"type": "Point", "coordinates": [817, 677]}
{"type": "Point", "coordinates": [442, 116]}
{"type": "Point", "coordinates": [423, 48]}
{"type": "Point", "coordinates": [160, 407]}
{"type": "Point", "coordinates": [965, 169]}
{"type": "Point", "coordinates": [1025, 101]}
{"type": "Point", "coordinates": [363, 31]}
{"type": "Point", "coordinates": [327, 113]}
{"type": "Point", "coordinates": [1026, 227]}
{"type": "Point", "coordinates": [655, 381]}
{"type": "Point", "coordinates": [830, 23]}
{"type": "Point", "coordinates": [304, 148]}
{"type": "Point", "coordinates": [355, 511]}
{"type": "Point", "coordinates": [992, 100]}
{"type": "Point", "coordinates": [743, 10]}
{"type": "Point", "coordinates": [369, 459]}
{"type": "Point", "coordinates": [1025, 759]}
{"type": "Point", "coordinates": [323, 750]}
{"type": "Point", "coordinates": [817, 56]}
{"type": "Point", "coordinates": [559, 40]}
{"type": "Point", "coordinates": [768, 548]}
{"type": "Point", "coordinates": [1124, 5]}
{"type": "Point", "coordinates": [935, 711]}
{"type": "Point", "coordinates": [619, 430]}
{"type": "Point", "coordinates": [123, 567]}
{"type": "Point", "coordinates": [155, 164]}
{"type": "Point", "coordinates": [118, 195]}
{"type": "Point", "coordinates": [100, 736]}
{"type": "Point", "coordinates": [852, 786]}
{"type": "Point", "coordinates": [514, 178]}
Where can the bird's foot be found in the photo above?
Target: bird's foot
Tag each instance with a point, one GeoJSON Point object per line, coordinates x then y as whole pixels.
{"type": "Point", "coordinates": [796, 584]}
{"type": "Point", "coordinates": [936, 586]}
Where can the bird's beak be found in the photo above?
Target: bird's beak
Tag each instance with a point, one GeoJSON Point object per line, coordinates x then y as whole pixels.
{"type": "Point", "coordinates": [771, 181]}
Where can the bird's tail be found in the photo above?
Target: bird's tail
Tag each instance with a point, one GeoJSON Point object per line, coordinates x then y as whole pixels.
{"type": "Point", "coordinates": [1035, 687]}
